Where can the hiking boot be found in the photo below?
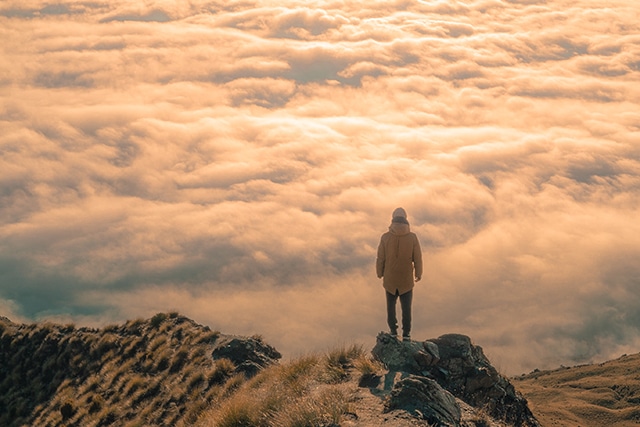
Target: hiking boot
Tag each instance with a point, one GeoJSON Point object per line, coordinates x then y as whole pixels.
{"type": "Point", "coordinates": [406, 338]}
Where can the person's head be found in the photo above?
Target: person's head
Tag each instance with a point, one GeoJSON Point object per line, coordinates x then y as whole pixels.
{"type": "Point", "coordinates": [399, 215]}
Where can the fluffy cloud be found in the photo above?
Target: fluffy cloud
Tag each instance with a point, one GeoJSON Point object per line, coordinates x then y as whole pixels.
{"type": "Point", "coordinates": [237, 161]}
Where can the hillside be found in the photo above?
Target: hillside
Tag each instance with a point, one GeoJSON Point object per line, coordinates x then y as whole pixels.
{"type": "Point", "coordinates": [605, 394]}
{"type": "Point", "coordinates": [160, 371]}
{"type": "Point", "coordinates": [170, 371]}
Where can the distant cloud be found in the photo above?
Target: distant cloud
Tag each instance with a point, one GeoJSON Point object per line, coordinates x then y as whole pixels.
{"type": "Point", "coordinates": [155, 15]}
{"type": "Point", "coordinates": [238, 162]}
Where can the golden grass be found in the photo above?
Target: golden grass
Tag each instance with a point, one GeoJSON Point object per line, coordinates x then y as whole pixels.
{"type": "Point", "coordinates": [222, 371]}
{"type": "Point", "coordinates": [150, 372]}
{"type": "Point", "coordinates": [302, 392]}
{"type": "Point", "coordinates": [368, 366]}
{"type": "Point", "coordinates": [605, 394]}
{"type": "Point", "coordinates": [339, 360]}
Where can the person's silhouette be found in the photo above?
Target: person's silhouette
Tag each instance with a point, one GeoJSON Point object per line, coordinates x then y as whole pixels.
{"type": "Point", "coordinates": [399, 261]}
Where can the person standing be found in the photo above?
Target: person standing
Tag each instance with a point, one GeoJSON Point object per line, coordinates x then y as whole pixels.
{"type": "Point", "coordinates": [399, 261]}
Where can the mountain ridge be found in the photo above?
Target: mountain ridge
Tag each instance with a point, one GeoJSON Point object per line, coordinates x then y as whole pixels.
{"type": "Point", "coordinates": [169, 370]}
{"type": "Point", "coordinates": [160, 371]}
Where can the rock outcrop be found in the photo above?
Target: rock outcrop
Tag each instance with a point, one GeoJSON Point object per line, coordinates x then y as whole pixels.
{"type": "Point", "coordinates": [438, 371]}
{"type": "Point", "coordinates": [425, 398]}
{"type": "Point", "coordinates": [167, 369]}
{"type": "Point", "coordinates": [249, 355]}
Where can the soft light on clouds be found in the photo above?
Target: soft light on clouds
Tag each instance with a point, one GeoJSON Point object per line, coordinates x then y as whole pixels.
{"type": "Point", "coordinates": [238, 161]}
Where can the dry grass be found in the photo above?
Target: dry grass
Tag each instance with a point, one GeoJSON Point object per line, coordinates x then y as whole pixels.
{"type": "Point", "coordinates": [152, 372]}
{"type": "Point", "coordinates": [340, 360]}
{"type": "Point", "coordinates": [325, 408]}
{"type": "Point", "coordinates": [222, 371]}
{"type": "Point", "coordinates": [303, 392]}
{"type": "Point", "coordinates": [605, 394]}
{"type": "Point", "coordinates": [368, 366]}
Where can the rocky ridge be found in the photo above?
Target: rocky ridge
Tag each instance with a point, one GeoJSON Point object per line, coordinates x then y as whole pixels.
{"type": "Point", "coordinates": [436, 378]}
{"type": "Point", "coordinates": [168, 370]}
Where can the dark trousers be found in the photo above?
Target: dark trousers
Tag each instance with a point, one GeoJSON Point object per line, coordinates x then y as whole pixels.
{"type": "Point", "coordinates": [405, 304]}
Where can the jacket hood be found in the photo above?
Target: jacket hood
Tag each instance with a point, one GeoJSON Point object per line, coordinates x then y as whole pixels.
{"type": "Point", "coordinates": [399, 229]}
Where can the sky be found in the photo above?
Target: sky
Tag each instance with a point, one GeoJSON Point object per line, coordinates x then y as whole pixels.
{"type": "Point", "coordinates": [236, 161]}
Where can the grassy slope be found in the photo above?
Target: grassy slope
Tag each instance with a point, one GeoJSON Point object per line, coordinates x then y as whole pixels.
{"type": "Point", "coordinates": [160, 372]}
{"type": "Point", "coordinates": [307, 391]}
{"type": "Point", "coordinates": [606, 394]}
{"type": "Point", "coordinates": [156, 372]}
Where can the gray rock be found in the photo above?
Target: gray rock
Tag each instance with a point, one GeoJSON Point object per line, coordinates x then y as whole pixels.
{"type": "Point", "coordinates": [466, 372]}
{"type": "Point", "coordinates": [432, 349]}
{"type": "Point", "coordinates": [249, 355]}
{"type": "Point", "coordinates": [460, 368]}
{"type": "Point", "coordinates": [405, 356]}
{"type": "Point", "coordinates": [425, 399]}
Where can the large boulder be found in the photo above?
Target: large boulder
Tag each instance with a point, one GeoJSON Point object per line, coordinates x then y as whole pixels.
{"type": "Point", "coordinates": [466, 372]}
{"type": "Point", "coordinates": [425, 399]}
{"type": "Point", "coordinates": [460, 368]}
{"type": "Point", "coordinates": [405, 356]}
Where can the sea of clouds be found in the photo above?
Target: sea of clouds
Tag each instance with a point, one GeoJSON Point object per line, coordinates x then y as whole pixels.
{"type": "Point", "coordinates": [237, 161]}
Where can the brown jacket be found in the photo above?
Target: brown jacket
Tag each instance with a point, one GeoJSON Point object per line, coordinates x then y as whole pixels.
{"type": "Point", "coordinates": [399, 255]}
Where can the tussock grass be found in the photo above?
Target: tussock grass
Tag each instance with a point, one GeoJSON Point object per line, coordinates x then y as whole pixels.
{"type": "Point", "coordinates": [158, 319]}
{"type": "Point", "coordinates": [368, 366]}
{"type": "Point", "coordinates": [160, 372]}
{"type": "Point", "coordinates": [327, 408]}
{"type": "Point", "coordinates": [134, 384]}
{"type": "Point", "coordinates": [157, 343]}
{"type": "Point", "coordinates": [481, 419]}
{"type": "Point", "coordinates": [196, 381]}
{"type": "Point", "coordinates": [179, 360]}
{"type": "Point", "coordinates": [222, 371]}
{"type": "Point", "coordinates": [209, 337]}
{"type": "Point", "coordinates": [96, 402]}
{"type": "Point", "coordinates": [163, 361]}
{"type": "Point", "coordinates": [304, 392]}
{"type": "Point", "coordinates": [340, 360]}
{"type": "Point", "coordinates": [145, 372]}
{"type": "Point", "coordinates": [591, 395]}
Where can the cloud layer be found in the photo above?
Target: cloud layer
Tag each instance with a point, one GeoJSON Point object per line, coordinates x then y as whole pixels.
{"type": "Point", "coordinates": [238, 161]}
